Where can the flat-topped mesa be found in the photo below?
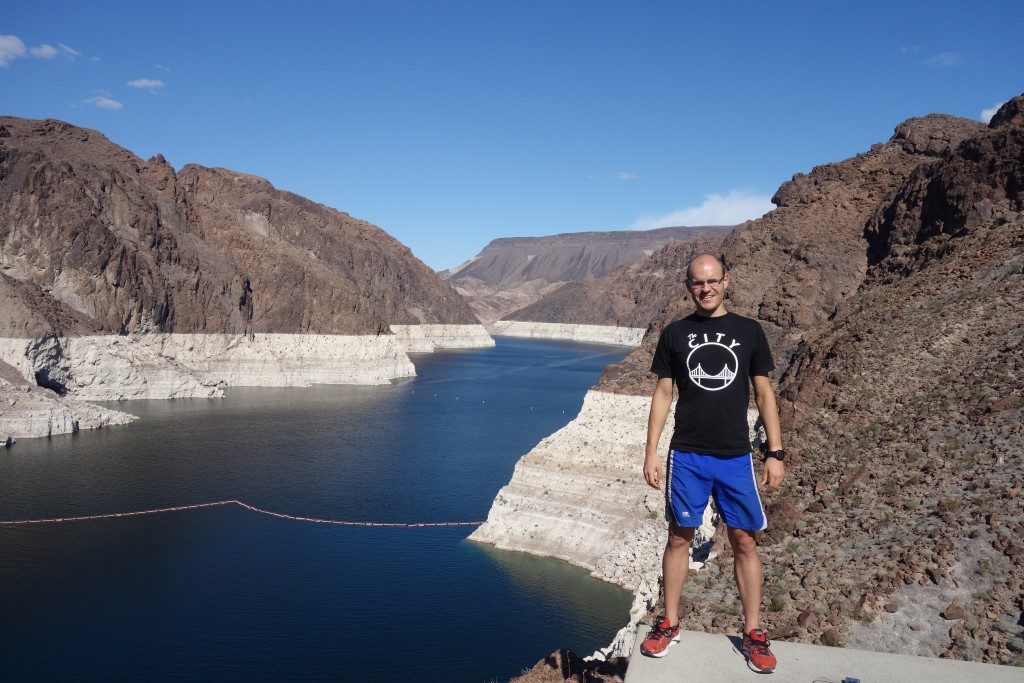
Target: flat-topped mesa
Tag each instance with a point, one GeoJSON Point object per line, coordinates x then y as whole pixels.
{"type": "Point", "coordinates": [513, 272]}
{"type": "Point", "coordinates": [566, 257]}
{"type": "Point", "coordinates": [628, 297]}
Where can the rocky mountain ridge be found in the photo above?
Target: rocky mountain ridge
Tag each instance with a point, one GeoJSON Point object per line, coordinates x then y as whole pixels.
{"type": "Point", "coordinates": [795, 264]}
{"type": "Point", "coordinates": [95, 239]}
{"type": "Point", "coordinates": [513, 272]}
{"type": "Point", "coordinates": [630, 296]}
{"type": "Point", "coordinates": [791, 268]}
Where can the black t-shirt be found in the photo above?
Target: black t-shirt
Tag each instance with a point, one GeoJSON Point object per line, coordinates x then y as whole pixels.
{"type": "Point", "coordinates": [712, 360]}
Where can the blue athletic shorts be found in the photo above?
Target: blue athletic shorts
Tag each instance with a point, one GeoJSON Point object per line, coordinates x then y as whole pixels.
{"type": "Point", "coordinates": [695, 477]}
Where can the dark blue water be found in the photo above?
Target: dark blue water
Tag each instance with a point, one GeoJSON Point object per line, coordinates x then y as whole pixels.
{"type": "Point", "coordinates": [224, 593]}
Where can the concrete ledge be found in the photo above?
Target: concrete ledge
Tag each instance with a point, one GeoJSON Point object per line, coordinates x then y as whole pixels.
{"type": "Point", "coordinates": [716, 657]}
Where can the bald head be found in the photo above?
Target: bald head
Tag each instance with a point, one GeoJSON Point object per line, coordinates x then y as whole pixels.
{"type": "Point", "coordinates": [704, 265]}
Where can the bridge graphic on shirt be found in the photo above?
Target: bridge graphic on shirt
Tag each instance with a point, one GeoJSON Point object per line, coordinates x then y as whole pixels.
{"type": "Point", "coordinates": [725, 374]}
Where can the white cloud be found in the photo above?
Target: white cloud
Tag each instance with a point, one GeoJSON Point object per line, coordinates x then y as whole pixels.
{"type": "Point", "coordinates": [731, 208]}
{"type": "Point", "coordinates": [150, 84]}
{"type": "Point", "coordinates": [626, 175]}
{"type": "Point", "coordinates": [11, 48]}
{"type": "Point", "coordinates": [161, 67]}
{"type": "Point", "coordinates": [944, 59]}
{"type": "Point", "coordinates": [95, 60]}
{"type": "Point", "coordinates": [105, 103]}
{"type": "Point", "coordinates": [987, 114]}
{"type": "Point", "coordinates": [44, 51]}
{"type": "Point", "coordinates": [909, 49]}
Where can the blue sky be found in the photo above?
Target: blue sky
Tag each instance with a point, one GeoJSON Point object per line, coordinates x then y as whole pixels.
{"type": "Point", "coordinates": [452, 123]}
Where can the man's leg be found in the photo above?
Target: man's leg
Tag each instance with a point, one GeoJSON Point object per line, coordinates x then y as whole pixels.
{"type": "Point", "coordinates": [749, 576]}
{"type": "Point", "coordinates": [675, 567]}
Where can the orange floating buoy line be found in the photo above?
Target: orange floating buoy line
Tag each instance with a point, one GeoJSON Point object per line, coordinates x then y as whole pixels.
{"type": "Point", "coordinates": [253, 508]}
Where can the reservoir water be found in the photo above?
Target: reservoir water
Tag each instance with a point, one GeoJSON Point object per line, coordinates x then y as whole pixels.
{"type": "Point", "coordinates": [227, 594]}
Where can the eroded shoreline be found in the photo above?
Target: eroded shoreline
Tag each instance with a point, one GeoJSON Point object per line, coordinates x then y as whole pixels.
{"type": "Point", "coordinates": [578, 496]}
{"type": "Point", "coordinates": [590, 334]}
{"type": "Point", "coordinates": [47, 381]}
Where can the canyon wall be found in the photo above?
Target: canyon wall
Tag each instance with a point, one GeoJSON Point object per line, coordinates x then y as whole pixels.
{"type": "Point", "coordinates": [59, 373]}
{"type": "Point", "coordinates": [427, 338]}
{"type": "Point", "coordinates": [124, 279]}
{"type": "Point", "coordinates": [594, 334]}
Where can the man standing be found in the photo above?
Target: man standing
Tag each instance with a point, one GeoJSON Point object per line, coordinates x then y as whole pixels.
{"type": "Point", "coordinates": [712, 355]}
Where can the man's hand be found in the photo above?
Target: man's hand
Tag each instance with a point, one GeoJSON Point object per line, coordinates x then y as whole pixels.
{"type": "Point", "coordinates": [771, 474]}
{"type": "Point", "coordinates": [653, 471]}
{"type": "Point", "coordinates": [661, 400]}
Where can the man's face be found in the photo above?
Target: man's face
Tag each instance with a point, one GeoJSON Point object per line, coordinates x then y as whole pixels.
{"type": "Point", "coordinates": [707, 284]}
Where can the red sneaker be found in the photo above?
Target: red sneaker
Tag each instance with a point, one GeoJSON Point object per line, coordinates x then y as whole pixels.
{"type": "Point", "coordinates": [758, 653]}
{"type": "Point", "coordinates": [663, 635]}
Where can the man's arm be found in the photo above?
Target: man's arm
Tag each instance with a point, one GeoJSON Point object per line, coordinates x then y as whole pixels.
{"type": "Point", "coordinates": [661, 401]}
{"type": "Point", "coordinates": [767, 406]}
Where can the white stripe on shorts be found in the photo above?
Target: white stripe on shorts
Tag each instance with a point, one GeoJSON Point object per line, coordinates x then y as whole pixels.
{"type": "Point", "coordinates": [758, 494]}
{"type": "Point", "coordinates": [670, 512]}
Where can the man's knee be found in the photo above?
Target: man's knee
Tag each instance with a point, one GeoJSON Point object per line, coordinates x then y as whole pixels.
{"type": "Point", "coordinates": [679, 536]}
{"type": "Point", "coordinates": [743, 542]}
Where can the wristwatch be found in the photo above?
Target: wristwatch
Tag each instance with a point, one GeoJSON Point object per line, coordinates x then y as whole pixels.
{"type": "Point", "coordinates": [778, 455]}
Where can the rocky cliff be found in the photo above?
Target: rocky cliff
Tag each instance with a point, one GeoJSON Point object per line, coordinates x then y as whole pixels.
{"type": "Point", "coordinates": [792, 268]}
{"type": "Point", "coordinates": [27, 410]}
{"type": "Point", "coordinates": [921, 374]}
{"type": "Point", "coordinates": [122, 278]}
{"type": "Point", "coordinates": [513, 272]}
{"type": "Point", "coordinates": [95, 239]}
{"type": "Point", "coordinates": [892, 288]}
{"type": "Point", "coordinates": [596, 334]}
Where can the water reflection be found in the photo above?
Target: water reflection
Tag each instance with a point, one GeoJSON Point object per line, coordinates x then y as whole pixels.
{"type": "Point", "coordinates": [550, 579]}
